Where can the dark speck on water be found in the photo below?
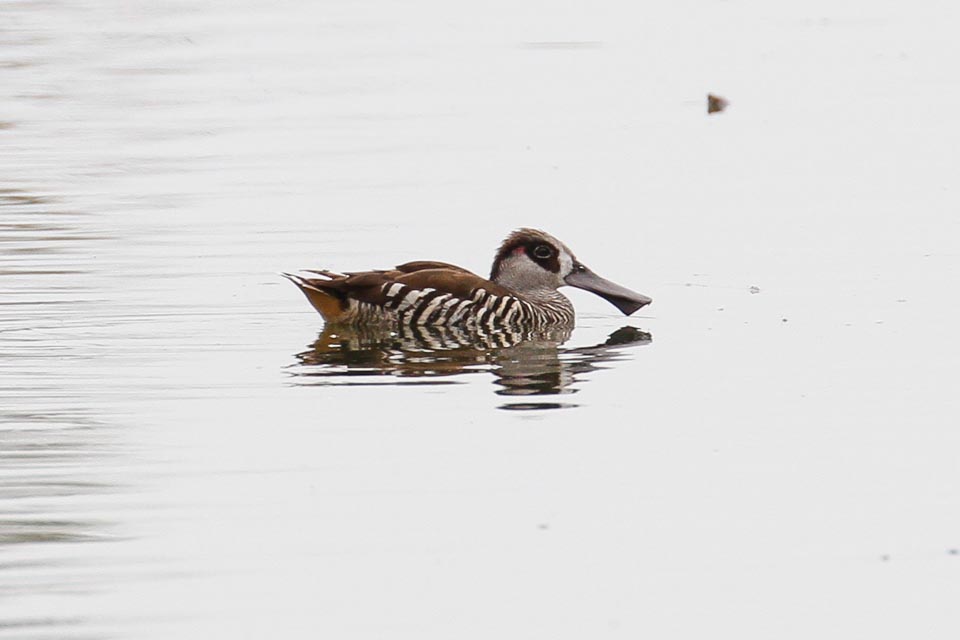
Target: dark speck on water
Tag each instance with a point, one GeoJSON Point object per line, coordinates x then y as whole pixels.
{"type": "Point", "coordinates": [716, 104]}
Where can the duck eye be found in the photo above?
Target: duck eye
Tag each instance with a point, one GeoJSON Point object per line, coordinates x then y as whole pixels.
{"type": "Point", "coordinates": [542, 251]}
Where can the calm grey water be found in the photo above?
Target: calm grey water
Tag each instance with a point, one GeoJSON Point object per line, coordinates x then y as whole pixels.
{"type": "Point", "coordinates": [770, 450]}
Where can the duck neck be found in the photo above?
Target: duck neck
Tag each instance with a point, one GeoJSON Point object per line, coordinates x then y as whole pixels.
{"type": "Point", "coordinates": [549, 306]}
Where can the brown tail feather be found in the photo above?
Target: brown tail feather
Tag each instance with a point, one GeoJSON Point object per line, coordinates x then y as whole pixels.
{"type": "Point", "coordinates": [328, 303]}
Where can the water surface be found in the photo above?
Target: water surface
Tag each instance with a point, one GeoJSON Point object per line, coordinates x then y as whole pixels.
{"type": "Point", "coordinates": [767, 451]}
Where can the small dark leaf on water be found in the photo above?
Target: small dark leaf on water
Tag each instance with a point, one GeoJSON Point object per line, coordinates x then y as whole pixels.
{"type": "Point", "coordinates": [716, 104]}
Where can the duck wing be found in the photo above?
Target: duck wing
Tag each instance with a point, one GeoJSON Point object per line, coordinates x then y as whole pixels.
{"type": "Point", "coordinates": [422, 280]}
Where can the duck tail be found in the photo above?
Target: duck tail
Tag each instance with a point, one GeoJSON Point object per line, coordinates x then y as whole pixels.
{"type": "Point", "coordinates": [330, 303]}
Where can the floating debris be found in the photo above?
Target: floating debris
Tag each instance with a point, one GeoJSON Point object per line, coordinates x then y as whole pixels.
{"type": "Point", "coordinates": [716, 104]}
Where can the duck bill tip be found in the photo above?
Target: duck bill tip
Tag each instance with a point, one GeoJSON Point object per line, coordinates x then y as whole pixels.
{"type": "Point", "coordinates": [629, 306]}
{"type": "Point", "coordinates": [627, 301]}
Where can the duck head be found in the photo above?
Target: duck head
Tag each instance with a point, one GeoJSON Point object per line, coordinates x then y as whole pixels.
{"type": "Point", "coordinates": [534, 263]}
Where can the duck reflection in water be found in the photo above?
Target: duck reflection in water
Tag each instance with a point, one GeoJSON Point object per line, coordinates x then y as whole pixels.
{"type": "Point", "coordinates": [525, 363]}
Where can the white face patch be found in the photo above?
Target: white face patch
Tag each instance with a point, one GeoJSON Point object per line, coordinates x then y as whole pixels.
{"type": "Point", "coordinates": [566, 265]}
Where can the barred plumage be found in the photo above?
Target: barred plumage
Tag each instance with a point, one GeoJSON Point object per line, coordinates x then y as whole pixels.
{"type": "Point", "coordinates": [522, 291]}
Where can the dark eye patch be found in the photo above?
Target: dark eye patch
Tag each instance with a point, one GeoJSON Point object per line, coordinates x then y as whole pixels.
{"type": "Point", "coordinates": [545, 256]}
{"type": "Point", "coordinates": [542, 251]}
{"type": "Point", "coordinates": [525, 242]}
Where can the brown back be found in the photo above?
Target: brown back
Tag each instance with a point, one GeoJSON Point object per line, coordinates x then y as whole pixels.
{"type": "Point", "coordinates": [368, 286]}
